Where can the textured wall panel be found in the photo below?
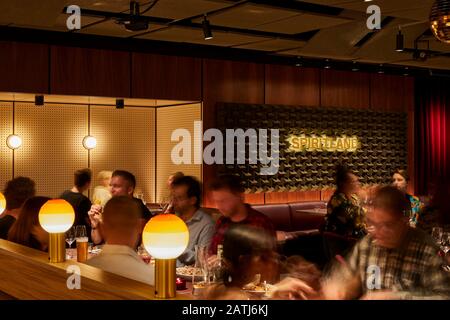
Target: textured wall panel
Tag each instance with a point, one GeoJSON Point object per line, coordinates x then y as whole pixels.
{"type": "Point", "coordinates": [52, 144]}
{"type": "Point", "coordinates": [125, 140]}
{"type": "Point", "coordinates": [169, 119]}
{"type": "Point", "coordinates": [5, 152]}
{"type": "Point", "coordinates": [382, 135]}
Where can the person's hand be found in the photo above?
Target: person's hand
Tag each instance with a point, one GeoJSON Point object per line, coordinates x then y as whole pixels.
{"type": "Point", "coordinates": [343, 284]}
{"type": "Point", "coordinates": [292, 289]}
{"type": "Point", "coordinates": [95, 215]}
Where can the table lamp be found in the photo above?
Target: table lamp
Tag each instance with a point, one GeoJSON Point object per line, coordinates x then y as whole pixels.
{"type": "Point", "coordinates": [2, 203]}
{"type": "Point", "coordinates": [165, 237]}
{"type": "Point", "coordinates": [56, 217]}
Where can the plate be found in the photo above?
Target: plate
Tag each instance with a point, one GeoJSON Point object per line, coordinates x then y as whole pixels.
{"type": "Point", "coordinates": [187, 272]}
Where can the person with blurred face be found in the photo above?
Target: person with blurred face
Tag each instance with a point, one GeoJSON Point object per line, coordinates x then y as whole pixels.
{"type": "Point", "coordinates": [228, 195]}
{"type": "Point", "coordinates": [400, 180]}
{"type": "Point", "coordinates": [186, 195]}
{"type": "Point", "coordinates": [345, 215]}
{"type": "Point", "coordinates": [122, 183]}
{"type": "Point", "coordinates": [394, 261]}
{"type": "Point", "coordinates": [101, 193]}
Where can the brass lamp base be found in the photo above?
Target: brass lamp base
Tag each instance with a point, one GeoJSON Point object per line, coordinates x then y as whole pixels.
{"type": "Point", "coordinates": [57, 247]}
{"type": "Point", "coordinates": [165, 276]}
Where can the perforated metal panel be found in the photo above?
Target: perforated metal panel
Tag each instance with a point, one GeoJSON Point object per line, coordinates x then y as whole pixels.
{"type": "Point", "coordinates": [168, 120]}
{"type": "Point", "coordinates": [125, 140]}
{"type": "Point", "coordinates": [5, 152]}
{"type": "Point", "coordinates": [52, 145]}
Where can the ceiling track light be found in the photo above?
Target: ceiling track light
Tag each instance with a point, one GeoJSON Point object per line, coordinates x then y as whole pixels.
{"type": "Point", "coordinates": [327, 64]}
{"type": "Point", "coordinates": [206, 29]}
{"type": "Point", "coordinates": [381, 71]}
{"type": "Point", "coordinates": [120, 103]}
{"type": "Point", "coordinates": [298, 62]}
{"type": "Point", "coordinates": [355, 66]}
{"type": "Point", "coordinates": [39, 100]}
{"type": "Point", "coordinates": [400, 43]}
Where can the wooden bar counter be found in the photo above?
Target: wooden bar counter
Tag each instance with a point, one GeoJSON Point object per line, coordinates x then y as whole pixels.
{"type": "Point", "coordinates": [26, 274]}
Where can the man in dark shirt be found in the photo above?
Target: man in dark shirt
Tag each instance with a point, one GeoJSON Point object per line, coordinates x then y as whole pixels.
{"type": "Point", "coordinates": [16, 192]}
{"type": "Point", "coordinates": [227, 192]}
{"type": "Point", "coordinates": [122, 183]}
{"type": "Point", "coordinates": [80, 203]}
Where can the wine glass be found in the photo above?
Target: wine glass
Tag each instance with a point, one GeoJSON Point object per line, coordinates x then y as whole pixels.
{"type": "Point", "coordinates": [201, 263]}
{"type": "Point", "coordinates": [70, 238]}
{"type": "Point", "coordinates": [436, 233]}
{"type": "Point", "coordinates": [80, 231]}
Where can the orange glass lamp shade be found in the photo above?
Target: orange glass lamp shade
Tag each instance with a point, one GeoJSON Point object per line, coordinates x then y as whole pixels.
{"type": "Point", "coordinates": [165, 237]}
{"type": "Point", "coordinates": [56, 217]}
{"type": "Point", "coordinates": [2, 203]}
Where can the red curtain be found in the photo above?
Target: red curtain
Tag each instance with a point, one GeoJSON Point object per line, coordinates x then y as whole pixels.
{"type": "Point", "coordinates": [432, 131]}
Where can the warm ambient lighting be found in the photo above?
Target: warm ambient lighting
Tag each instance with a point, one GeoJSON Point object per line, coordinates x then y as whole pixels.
{"type": "Point", "coordinates": [165, 237]}
{"type": "Point", "coordinates": [440, 20]}
{"type": "Point", "coordinates": [2, 203]}
{"type": "Point", "coordinates": [13, 141]}
{"type": "Point", "coordinates": [56, 217]}
{"type": "Point", "coordinates": [89, 142]}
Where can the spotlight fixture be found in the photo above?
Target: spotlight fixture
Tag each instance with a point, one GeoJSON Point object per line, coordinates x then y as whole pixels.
{"type": "Point", "coordinates": [355, 66]}
{"type": "Point", "coordinates": [298, 62]}
{"type": "Point", "coordinates": [406, 72]}
{"type": "Point", "coordinates": [381, 71]}
{"type": "Point", "coordinates": [135, 21]}
{"type": "Point", "coordinates": [120, 103]}
{"type": "Point", "coordinates": [440, 20]}
{"type": "Point", "coordinates": [89, 142]}
{"type": "Point", "coordinates": [38, 100]}
{"type": "Point", "coordinates": [207, 29]}
{"type": "Point", "coordinates": [327, 64]}
{"type": "Point", "coordinates": [13, 141]}
{"type": "Point", "coordinates": [400, 43]}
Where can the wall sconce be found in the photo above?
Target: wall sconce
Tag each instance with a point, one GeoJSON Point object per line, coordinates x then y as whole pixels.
{"type": "Point", "coordinates": [89, 142]}
{"type": "Point", "coordinates": [2, 203]}
{"type": "Point", "coordinates": [165, 237]}
{"type": "Point", "coordinates": [56, 217]}
{"type": "Point", "coordinates": [13, 141]}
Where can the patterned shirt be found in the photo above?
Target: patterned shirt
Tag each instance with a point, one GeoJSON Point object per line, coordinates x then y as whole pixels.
{"type": "Point", "coordinates": [345, 216]}
{"type": "Point", "coordinates": [416, 208]}
{"type": "Point", "coordinates": [414, 270]}
{"type": "Point", "coordinates": [254, 218]}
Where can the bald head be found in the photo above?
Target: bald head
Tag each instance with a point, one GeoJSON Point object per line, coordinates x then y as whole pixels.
{"type": "Point", "coordinates": [121, 220]}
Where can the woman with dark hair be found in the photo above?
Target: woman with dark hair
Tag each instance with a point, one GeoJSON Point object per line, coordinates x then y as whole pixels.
{"type": "Point", "coordinates": [400, 180]}
{"type": "Point", "coordinates": [345, 215]}
{"type": "Point", "coordinates": [26, 230]}
{"type": "Point", "coordinates": [250, 261]}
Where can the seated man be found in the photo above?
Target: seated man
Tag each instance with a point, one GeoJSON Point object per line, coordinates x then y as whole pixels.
{"type": "Point", "coordinates": [80, 203]}
{"type": "Point", "coordinates": [186, 193]}
{"type": "Point", "coordinates": [394, 261]}
{"type": "Point", "coordinates": [121, 229]}
{"type": "Point", "coordinates": [228, 194]}
{"type": "Point", "coordinates": [122, 183]}
{"type": "Point", "coordinates": [16, 192]}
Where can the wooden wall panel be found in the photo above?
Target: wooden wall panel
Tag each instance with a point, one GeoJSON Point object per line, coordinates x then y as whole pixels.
{"type": "Point", "coordinates": [292, 85]}
{"type": "Point", "coordinates": [345, 89]}
{"type": "Point", "coordinates": [254, 198]}
{"type": "Point", "coordinates": [82, 71]}
{"type": "Point", "coordinates": [228, 81]}
{"type": "Point", "coordinates": [296, 196]}
{"type": "Point", "coordinates": [24, 67]}
{"type": "Point", "coordinates": [6, 125]}
{"type": "Point", "coordinates": [166, 77]}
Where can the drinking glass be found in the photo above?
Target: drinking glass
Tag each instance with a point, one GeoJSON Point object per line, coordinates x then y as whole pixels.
{"type": "Point", "coordinates": [201, 263]}
{"type": "Point", "coordinates": [70, 237]}
{"type": "Point", "coordinates": [82, 243]}
{"type": "Point", "coordinates": [436, 233]}
{"type": "Point", "coordinates": [445, 242]}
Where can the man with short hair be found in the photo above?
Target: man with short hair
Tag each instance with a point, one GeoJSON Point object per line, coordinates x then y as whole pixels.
{"type": "Point", "coordinates": [121, 229]}
{"type": "Point", "coordinates": [122, 183]}
{"type": "Point", "coordinates": [16, 192]}
{"type": "Point", "coordinates": [80, 203]}
{"type": "Point", "coordinates": [186, 195]}
{"type": "Point", "coordinates": [228, 194]}
{"type": "Point", "coordinates": [394, 261]}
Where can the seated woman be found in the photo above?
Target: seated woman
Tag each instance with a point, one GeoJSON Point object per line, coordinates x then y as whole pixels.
{"type": "Point", "coordinates": [345, 215]}
{"type": "Point", "coordinates": [101, 193]}
{"type": "Point", "coordinates": [249, 260]}
{"type": "Point", "coordinates": [26, 230]}
{"type": "Point", "coordinates": [400, 180]}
